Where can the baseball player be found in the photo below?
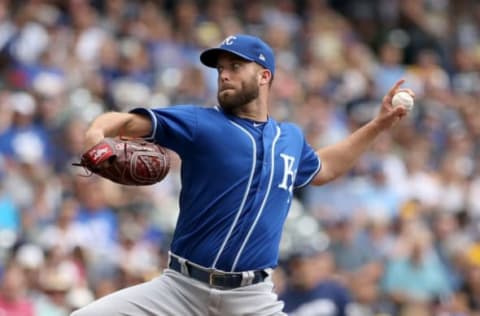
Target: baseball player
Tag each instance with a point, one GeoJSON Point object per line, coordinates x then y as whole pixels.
{"type": "Point", "coordinates": [239, 169]}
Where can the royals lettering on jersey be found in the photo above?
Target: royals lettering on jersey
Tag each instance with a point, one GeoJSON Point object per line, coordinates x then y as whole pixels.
{"type": "Point", "coordinates": [288, 172]}
{"type": "Point", "coordinates": [237, 183]}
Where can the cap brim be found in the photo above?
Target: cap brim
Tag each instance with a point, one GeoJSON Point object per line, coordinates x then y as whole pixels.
{"type": "Point", "coordinates": [210, 56]}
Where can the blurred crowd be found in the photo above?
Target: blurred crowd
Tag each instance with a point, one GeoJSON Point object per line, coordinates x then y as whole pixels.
{"type": "Point", "coordinates": [399, 235]}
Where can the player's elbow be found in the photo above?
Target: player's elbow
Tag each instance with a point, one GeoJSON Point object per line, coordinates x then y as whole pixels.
{"type": "Point", "coordinates": [325, 175]}
{"type": "Point", "coordinates": [137, 125]}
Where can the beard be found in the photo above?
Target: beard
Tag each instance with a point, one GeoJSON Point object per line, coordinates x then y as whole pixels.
{"type": "Point", "coordinates": [233, 99]}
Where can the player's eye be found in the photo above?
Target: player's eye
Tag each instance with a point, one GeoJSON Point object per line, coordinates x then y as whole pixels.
{"type": "Point", "coordinates": [236, 66]}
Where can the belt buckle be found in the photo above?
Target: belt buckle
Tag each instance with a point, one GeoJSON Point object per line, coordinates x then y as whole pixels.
{"type": "Point", "coordinates": [211, 277]}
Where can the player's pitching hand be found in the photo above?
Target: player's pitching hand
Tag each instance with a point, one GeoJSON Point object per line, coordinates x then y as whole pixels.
{"type": "Point", "coordinates": [389, 115]}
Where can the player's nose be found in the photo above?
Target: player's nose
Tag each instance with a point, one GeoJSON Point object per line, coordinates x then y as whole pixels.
{"type": "Point", "coordinates": [223, 75]}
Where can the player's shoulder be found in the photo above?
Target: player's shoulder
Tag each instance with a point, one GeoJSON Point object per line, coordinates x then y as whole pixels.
{"type": "Point", "coordinates": [210, 114]}
{"type": "Point", "coordinates": [200, 109]}
{"type": "Point", "coordinates": [187, 108]}
{"type": "Point", "coordinates": [179, 107]}
{"type": "Point", "coordinates": [291, 128]}
{"type": "Point", "coordinates": [211, 110]}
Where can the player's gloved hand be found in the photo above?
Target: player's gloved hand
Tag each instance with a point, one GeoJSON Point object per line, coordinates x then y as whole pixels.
{"type": "Point", "coordinates": [129, 162]}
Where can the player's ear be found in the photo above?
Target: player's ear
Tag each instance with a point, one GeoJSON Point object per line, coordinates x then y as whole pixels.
{"type": "Point", "coordinates": [265, 76]}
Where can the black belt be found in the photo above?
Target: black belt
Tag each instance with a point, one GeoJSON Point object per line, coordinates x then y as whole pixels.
{"type": "Point", "coordinates": [218, 279]}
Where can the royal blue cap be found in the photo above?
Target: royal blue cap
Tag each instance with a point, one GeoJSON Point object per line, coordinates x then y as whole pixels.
{"type": "Point", "coordinates": [247, 47]}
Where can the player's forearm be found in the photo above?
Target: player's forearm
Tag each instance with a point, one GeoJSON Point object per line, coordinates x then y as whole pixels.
{"type": "Point", "coordinates": [109, 124]}
{"type": "Point", "coordinates": [113, 124]}
{"type": "Point", "coordinates": [337, 159]}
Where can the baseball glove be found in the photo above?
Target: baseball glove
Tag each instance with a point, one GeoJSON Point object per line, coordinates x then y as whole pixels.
{"type": "Point", "coordinates": [129, 162]}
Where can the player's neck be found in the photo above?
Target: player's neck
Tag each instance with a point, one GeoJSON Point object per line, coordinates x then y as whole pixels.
{"type": "Point", "coordinates": [256, 110]}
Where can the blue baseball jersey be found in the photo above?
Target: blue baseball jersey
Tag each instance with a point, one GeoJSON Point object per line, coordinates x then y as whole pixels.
{"type": "Point", "coordinates": [237, 180]}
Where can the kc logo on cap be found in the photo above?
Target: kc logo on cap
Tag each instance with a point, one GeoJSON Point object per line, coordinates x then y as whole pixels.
{"type": "Point", "coordinates": [248, 47]}
{"type": "Point", "coordinates": [229, 40]}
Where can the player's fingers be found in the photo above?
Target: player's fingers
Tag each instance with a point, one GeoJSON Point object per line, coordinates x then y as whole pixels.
{"type": "Point", "coordinates": [409, 91]}
{"type": "Point", "coordinates": [400, 110]}
{"type": "Point", "coordinates": [397, 113]}
{"type": "Point", "coordinates": [394, 88]}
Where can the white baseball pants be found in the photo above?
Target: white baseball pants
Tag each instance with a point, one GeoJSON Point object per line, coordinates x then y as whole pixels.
{"type": "Point", "coordinates": [175, 294]}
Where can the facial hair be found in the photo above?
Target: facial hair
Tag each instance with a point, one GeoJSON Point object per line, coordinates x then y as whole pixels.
{"type": "Point", "coordinates": [235, 99]}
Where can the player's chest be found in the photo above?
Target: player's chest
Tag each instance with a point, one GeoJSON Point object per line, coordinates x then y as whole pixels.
{"type": "Point", "coordinates": [271, 155]}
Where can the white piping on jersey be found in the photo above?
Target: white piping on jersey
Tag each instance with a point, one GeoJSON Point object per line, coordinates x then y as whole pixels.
{"type": "Point", "coordinates": [312, 175]}
{"type": "Point", "coordinates": [247, 190]}
{"type": "Point", "coordinates": [154, 122]}
{"type": "Point", "coordinates": [264, 202]}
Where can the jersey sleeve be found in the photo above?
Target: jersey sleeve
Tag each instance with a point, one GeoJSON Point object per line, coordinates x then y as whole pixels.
{"type": "Point", "coordinates": [310, 164]}
{"type": "Point", "coordinates": [172, 127]}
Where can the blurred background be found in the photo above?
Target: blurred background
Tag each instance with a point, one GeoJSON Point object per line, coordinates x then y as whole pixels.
{"type": "Point", "coordinates": [399, 235]}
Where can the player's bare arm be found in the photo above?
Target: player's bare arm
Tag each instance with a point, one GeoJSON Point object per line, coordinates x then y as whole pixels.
{"type": "Point", "coordinates": [113, 124]}
{"type": "Point", "coordinates": [337, 159]}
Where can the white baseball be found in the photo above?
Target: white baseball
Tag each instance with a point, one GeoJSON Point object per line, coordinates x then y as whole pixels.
{"type": "Point", "coordinates": [403, 98]}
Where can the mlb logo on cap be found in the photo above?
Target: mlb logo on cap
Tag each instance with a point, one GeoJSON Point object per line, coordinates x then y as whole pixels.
{"type": "Point", "coordinates": [247, 47]}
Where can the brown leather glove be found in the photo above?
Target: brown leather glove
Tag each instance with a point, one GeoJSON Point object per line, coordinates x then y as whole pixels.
{"type": "Point", "coordinates": [129, 162]}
